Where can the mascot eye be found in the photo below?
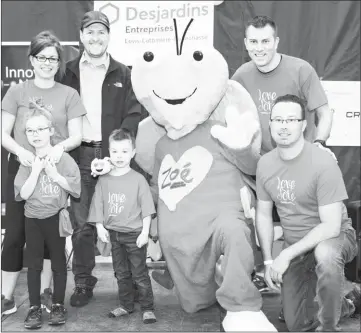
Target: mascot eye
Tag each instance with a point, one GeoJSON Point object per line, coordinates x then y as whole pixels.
{"type": "Point", "coordinates": [198, 55]}
{"type": "Point", "coordinates": [148, 56]}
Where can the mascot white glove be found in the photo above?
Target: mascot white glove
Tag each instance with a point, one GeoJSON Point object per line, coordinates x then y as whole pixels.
{"type": "Point", "coordinates": [239, 130]}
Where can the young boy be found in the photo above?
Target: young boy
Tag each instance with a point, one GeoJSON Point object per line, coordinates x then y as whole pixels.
{"type": "Point", "coordinates": [45, 187]}
{"type": "Point", "coordinates": [122, 207]}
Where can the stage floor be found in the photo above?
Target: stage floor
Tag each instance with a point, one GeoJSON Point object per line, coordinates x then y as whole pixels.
{"type": "Point", "coordinates": [93, 317]}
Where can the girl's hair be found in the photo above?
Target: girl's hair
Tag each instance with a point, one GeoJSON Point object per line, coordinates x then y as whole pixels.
{"type": "Point", "coordinates": [47, 39]}
{"type": "Point", "coordinates": [38, 108]}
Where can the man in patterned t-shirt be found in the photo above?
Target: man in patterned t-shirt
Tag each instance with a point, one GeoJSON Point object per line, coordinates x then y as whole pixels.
{"type": "Point", "coordinates": [306, 186]}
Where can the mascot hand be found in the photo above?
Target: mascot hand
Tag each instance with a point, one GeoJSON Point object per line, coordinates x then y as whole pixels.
{"type": "Point", "coordinates": [101, 167]}
{"type": "Point", "coordinates": [239, 131]}
{"type": "Point", "coordinates": [246, 200]}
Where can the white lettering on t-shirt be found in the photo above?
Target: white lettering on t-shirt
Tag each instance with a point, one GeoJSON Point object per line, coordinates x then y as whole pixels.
{"type": "Point", "coordinates": [286, 189]}
{"type": "Point", "coordinates": [115, 201]}
{"type": "Point", "coordinates": [48, 188]}
{"type": "Point", "coordinates": [266, 100]}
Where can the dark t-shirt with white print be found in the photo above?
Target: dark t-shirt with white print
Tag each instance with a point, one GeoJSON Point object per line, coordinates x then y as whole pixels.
{"type": "Point", "coordinates": [49, 197]}
{"type": "Point", "coordinates": [121, 203]}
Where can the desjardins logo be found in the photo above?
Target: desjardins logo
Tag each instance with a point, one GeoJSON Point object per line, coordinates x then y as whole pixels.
{"type": "Point", "coordinates": [185, 11]}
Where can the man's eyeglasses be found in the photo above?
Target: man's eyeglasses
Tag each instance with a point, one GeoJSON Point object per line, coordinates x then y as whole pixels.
{"type": "Point", "coordinates": [44, 59]}
{"type": "Point", "coordinates": [287, 121]}
{"type": "Point", "coordinates": [29, 131]}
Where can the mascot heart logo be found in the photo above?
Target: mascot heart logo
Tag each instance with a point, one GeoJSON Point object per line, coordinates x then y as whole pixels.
{"type": "Point", "coordinates": [177, 179]}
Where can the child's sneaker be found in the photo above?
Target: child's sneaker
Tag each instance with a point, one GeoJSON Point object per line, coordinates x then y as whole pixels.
{"type": "Point", "coordinates": [8, 306]}
{"type": "Point", "coordinates": [118, 312]}
{"type": "Point", "coordinates": [34, 318]}
{"type": "Point", "coordinates": [149, 317]}
{"type": "Point", "coordinates": [57, 315]}
{"type": "Point", "coordinates": [46, 299]}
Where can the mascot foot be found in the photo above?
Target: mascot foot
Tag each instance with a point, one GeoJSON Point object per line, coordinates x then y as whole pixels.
{"type": "Point", "coordinates": [165, 280]}
{"type": "Point", "coordinates": [247, 321]}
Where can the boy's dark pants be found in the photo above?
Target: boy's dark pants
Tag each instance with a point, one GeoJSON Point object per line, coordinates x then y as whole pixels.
{"type": "Point", "coordinates": [37, 233]}
{"type": "Point", "coordinates": [129, 263]}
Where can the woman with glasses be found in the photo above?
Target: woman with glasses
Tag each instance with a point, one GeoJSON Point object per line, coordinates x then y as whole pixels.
{"type": "Point", "coordinates": [46, 57]}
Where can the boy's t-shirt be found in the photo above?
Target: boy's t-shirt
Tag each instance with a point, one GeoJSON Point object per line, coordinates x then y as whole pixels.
{"type": "Point", "coordinates": [121, 203]}
{"type": "Point", "coordinates": [299, 186]}
{"type": "Point", "coordinates": [292, 76]}
{"type": "Point", "coordinates": [48, 196]}
{"type": "Point", "coordinates": [62, 101]}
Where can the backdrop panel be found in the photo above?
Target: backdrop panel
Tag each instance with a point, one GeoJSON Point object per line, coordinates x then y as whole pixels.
{"type": "Point", "coordinates": [324, 33]}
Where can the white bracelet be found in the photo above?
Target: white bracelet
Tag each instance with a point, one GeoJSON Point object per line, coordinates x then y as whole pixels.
{"type": "Point", "coordinates": [268, 262]}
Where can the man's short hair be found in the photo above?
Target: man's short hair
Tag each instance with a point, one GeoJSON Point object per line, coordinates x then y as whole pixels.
{"type": "Point", "coordinates": [260, 22]}
{"type": "Point", "coordinates": [292, 99]}
{"type": "Point", "coordinates": [122, 134]}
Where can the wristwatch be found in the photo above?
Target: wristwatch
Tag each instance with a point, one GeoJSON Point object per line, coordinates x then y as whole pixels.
{"type": "Point", "coordinates": [322, 142]}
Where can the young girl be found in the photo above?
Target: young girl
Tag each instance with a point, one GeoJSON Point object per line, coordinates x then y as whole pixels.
{"type": "Point", "coordinates": [45, 186]}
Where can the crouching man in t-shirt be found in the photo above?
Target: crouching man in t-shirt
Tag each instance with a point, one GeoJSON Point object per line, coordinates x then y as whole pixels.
{"type": "Point", "coordinates": [308, 190]}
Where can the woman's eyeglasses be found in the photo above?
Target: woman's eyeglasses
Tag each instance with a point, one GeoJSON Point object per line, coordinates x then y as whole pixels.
{"type": "Point", "coordinates": [44, 59]}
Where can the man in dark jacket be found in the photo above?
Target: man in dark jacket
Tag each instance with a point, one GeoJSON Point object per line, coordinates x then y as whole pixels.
{"type": "Point", "coordinates": [106, 92]}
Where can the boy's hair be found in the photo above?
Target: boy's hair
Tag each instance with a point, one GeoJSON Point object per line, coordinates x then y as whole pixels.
{"type": "Point", "coordinates": [38, 108]}
{"type": "Point", "coordinates": [260, 22]}
{"type": "Point", "coordinates": [291, 99]}
{"type": "Point", "coordinates": [122, 134]}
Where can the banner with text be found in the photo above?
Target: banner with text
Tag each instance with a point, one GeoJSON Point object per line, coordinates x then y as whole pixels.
{"type": "Point", "coordinates": [344, 100]}
{"type": "Point", "coordinates": [140, 26]}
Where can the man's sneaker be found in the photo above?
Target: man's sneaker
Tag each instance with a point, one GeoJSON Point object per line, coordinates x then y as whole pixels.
{"type": "Point", "coordinates": [165, 280]}
{"type": "Point", "coordinates": [281, 317]}
{"type": "Point", "coordinates": [57, 314]}
{"type": "Point", "coordinates": [355, 297]}
{"type": "Point", "coordinates": [46, 299]}
{"type": "Point", "coordinates": [7, 306]}
{"type": "Point", "coordinates": [149, 317]}
{"type": "Point", "coordinates": [260, 283]}
{"type": "Point", "coordinates": [34, 319]}
{"type": "Point", "coordinates": [81, 296]}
